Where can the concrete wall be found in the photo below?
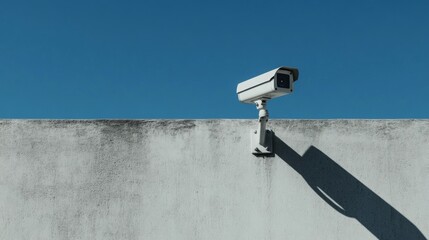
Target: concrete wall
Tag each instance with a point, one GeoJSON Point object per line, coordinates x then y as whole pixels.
{"type": "Point", "coordinates": [339, 179]}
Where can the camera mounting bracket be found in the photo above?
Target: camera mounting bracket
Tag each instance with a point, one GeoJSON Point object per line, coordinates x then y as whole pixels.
{"type": "Point", "coordinates": [262, 139]}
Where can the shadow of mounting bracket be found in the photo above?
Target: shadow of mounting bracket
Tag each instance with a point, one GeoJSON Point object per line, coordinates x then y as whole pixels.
{"type": "Point", "coordinates": [256, 147]}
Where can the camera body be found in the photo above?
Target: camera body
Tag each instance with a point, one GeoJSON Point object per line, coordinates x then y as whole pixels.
{"type": "Point", "coordinates": [269, 85]}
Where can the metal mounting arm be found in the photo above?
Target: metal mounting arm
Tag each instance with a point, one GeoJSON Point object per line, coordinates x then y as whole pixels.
{"type": "Point", "coordinates": [263, 119]}
{"type": "Point", "coordinates": [261, 138]}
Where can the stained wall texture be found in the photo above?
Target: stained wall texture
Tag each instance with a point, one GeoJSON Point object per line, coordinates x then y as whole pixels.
{"type": "Point", "coordinates": [161, 179]}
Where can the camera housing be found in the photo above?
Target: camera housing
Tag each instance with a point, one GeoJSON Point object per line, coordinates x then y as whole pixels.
{"type": "Point", "coordinates": [269, 85]}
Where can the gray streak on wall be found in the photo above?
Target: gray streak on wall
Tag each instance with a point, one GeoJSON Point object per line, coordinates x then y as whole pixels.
{"type": "Point", "coordinates": [196, 179]}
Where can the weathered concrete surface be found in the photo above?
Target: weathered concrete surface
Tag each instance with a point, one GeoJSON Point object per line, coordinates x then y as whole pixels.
{"type": "Point", "coordinates": [343, 179]}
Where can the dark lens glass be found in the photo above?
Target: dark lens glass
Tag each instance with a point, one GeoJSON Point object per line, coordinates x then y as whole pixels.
{"type": "Point", "coordinates": [283, 81]}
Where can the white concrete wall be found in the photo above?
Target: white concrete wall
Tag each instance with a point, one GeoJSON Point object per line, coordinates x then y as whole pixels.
{"type": "Point", "coordinates": [339, 179]}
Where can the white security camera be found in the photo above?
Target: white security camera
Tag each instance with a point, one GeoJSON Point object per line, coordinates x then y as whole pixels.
{"type": "Point", "coordinates": [258, 90]}
{"type": "Point", "coordinates": [272, 84]}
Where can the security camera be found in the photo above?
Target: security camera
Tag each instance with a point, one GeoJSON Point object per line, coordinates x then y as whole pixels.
{"type": "Point", "coordinates": [272, 84]}
{"type": "Point", "coordinates": [275, 83]}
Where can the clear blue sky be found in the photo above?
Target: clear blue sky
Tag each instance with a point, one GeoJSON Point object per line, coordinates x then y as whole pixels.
{"type": "Point", "coordinates": [183, 59]}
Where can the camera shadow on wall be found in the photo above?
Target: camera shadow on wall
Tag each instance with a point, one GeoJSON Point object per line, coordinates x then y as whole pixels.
{"type": "Point", "coordinates": [346, 194]}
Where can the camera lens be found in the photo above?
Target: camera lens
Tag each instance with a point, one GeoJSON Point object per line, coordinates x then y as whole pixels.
{"type": "Point", "coordinates": [283, 80]}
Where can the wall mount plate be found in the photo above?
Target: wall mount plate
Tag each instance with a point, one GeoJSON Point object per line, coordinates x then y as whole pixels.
{"type": "Point", "coordinates": [258, 149]}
